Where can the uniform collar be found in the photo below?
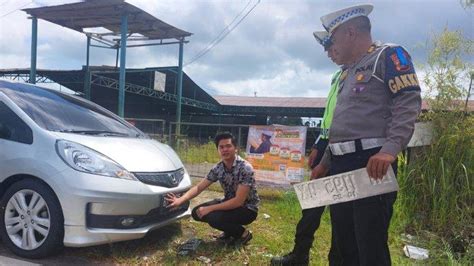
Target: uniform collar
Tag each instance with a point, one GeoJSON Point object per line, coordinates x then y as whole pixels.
{"type": "Point", "coordinates": [373, 47]}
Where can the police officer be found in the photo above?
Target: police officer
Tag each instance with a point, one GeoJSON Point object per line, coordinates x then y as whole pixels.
{"type": "Point", "coordinates": [377, 105]}
{"type": "Point", "coordinates": [311, 218]}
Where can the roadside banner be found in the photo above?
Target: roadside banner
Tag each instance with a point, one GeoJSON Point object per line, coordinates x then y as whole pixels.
{"type": "Point", "coordinates": [343, 187]}
{"type": "Point", "coordinates": [276, 153]}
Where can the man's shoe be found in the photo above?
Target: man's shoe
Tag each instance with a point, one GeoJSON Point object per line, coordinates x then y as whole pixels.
{"type": "Point", "coordinates": [290, 259]}
{"type": "Point", "coordinates": [242, 240]}
{"type": "Point", "coordinates": [223, 237]}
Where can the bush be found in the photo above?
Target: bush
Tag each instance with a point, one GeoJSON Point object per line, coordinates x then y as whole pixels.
{"type": "Point", "coordinates": [436, 186]}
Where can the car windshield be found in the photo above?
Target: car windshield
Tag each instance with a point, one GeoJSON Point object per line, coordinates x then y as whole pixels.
{"type": "Point", "coordinates": [56, 111]}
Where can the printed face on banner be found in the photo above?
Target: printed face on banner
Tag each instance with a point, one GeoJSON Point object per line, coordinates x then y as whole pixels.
{"type": "Point", "coordinates": [277, 153]}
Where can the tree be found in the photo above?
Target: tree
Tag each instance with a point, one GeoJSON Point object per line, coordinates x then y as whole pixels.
{"type": "Point", "coordinates": [447, 72]}
{"type": "Point", "coordinates": [466, 4]}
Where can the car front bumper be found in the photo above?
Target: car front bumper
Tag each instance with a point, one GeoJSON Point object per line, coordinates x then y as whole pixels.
{"type": "Point", "coordinates": [95, 206]}
{"type": "Point", "coordinates": [81, 236]}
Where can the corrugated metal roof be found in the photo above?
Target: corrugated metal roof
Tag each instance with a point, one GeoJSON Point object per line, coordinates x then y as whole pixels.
{"type": "Point", "coordinates": [107, 14]}
{"type": "Point", "coordinates": [297, 102]}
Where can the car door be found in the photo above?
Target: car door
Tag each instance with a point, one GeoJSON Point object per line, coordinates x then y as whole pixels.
{"type": "Point", "coordinates": [16, 139]}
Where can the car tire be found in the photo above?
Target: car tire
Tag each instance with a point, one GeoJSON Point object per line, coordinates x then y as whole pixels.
{"type": "Point", "coordinates": [31, 220]}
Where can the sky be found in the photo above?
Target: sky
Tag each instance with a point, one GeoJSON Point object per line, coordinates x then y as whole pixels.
{"type": "Point", "coordinates": [271, 52]}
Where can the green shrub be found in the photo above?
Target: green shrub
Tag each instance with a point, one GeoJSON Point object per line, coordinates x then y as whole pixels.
{"type": "Point", "coordinates": [436, 190]}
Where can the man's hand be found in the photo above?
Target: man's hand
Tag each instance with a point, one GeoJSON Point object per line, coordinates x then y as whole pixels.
{"type": "Point", "coordinates": [318, 171]}
{"type": "Point", "coordinates": [173, 200]}
{"type": "Point", "coordinates": [312, 157]}
{"type": "Point", "coordinates": [378, 165]}
{"type": "Point", "coordinates": [203, 211]}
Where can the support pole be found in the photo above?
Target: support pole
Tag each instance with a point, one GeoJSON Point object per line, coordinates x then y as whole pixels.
{"type": "Point", "coordinates": [123, 49]}
{"type": "Point", "coordinates": [87, 74]}
{"type": "Point", "coordinates": [116, 57]}
{"type": "Point", "coordinates": [170, 134]}
{"type": "Point", "coordinates": [34, 44]}
{"type": "Point", "coordinates": [179, 88]}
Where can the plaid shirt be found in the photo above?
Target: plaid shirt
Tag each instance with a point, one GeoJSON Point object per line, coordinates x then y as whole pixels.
{"type": "Point", "coordinates": [241, 174]}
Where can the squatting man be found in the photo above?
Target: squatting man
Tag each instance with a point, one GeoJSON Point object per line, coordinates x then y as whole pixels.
{"type": "Point", "coordinates": [239, 206]}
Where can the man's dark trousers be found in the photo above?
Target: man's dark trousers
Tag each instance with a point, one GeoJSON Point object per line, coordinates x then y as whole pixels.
{"type": "Point", "coordinates": [229, 221]}
{"type": "Point", "coordinates": [311, 220]}
{"type": "Point", "coordinates": [361, 226]}
{"type": "Point", "coordinates": [304, 236]}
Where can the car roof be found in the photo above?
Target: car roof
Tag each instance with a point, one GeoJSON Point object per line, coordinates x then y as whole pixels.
{"type": "Point", "coordinates": [25, 88]}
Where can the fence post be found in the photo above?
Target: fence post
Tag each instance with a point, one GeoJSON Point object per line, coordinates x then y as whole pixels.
{"type": "Point", "coordinates": [169, 134]}
{"type": "Point", "coordinates": [239, 138]}
{"type": "Point", "coordinates": [163, 129]}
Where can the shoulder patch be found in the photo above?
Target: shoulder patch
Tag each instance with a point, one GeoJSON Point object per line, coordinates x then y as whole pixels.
{"type": "Point", "coordinates": [399, 59]}
{"type": "Point", "coordinates": [399, 83]}
{"type": "Point", "coordinates": [399, 71]}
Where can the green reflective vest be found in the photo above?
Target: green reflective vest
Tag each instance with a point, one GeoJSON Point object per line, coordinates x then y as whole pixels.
{"type": "Point", "coordinates": [330, 105]}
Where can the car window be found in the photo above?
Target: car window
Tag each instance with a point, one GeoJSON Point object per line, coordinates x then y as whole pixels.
{"type": "Point", "coordinates": [61, 112]}
{"type": "Point", "coordinates": [12, 127]}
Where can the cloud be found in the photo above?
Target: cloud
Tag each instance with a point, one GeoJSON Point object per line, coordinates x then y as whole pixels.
{"type": "Point", "coordinates": [295, 79]}
{"type": "Point", "coordinates": [271, 51]}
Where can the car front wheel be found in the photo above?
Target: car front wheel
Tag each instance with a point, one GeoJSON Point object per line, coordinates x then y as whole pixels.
{"type": "Point", "coordinates": [31, 221]}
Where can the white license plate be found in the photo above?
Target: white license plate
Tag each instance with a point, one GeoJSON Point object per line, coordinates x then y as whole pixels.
{"type": "Point", "coordinates": [343, 187]}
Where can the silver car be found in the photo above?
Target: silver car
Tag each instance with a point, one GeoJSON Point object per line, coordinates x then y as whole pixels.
{"type": "Point", "coordinates": [74, 174]}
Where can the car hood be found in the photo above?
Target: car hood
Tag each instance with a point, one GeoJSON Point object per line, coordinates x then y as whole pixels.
{"type": "Point", "coordinates": [135, 155]}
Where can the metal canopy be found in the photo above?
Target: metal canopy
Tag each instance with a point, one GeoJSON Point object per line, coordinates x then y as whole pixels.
{"type": "Point", "coordinates": [112, 23]}
{"type": "Point", "coordinates": [108, 14]}
{"type": "Point", "coordinates": [139, 88]}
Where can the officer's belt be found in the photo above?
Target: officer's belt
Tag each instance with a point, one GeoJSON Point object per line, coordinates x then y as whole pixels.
{"type": "Point", "coordinates": [341, 148]}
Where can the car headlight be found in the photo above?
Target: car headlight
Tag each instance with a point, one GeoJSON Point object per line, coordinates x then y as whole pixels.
{"type": "Point", "coordinates": [84, 159]}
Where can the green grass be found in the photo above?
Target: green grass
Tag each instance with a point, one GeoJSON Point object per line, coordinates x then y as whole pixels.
{"type": "Point", "coordinates": [436, 197]}
{"type": "Point", "coordinates": [200, 153]}
{"type": "Point", "coordinates": [434, 203]}
{"type": "Point", "coordinates": [195, 153]}
{"type": "Point", "coordinates": [273, 236]}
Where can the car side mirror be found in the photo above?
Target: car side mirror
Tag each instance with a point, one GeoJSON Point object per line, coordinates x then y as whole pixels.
{"type": "Point", "coordinates": [5, 132]}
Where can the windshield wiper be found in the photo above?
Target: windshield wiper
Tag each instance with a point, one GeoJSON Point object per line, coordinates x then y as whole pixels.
{"type": "Point", "coordinates": [93, 132]}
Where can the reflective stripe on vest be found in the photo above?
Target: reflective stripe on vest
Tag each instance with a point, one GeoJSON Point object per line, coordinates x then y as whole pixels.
{"type": "Point", "coordinates": [330, 105]}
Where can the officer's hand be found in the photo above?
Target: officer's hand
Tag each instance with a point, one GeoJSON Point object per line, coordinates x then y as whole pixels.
{"type": "Point", "coordinates": [318, 171]}
{"type": "Point", "coordinates": [378, 164]}
{"type": "Point", "coordinates": [312, 157]}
